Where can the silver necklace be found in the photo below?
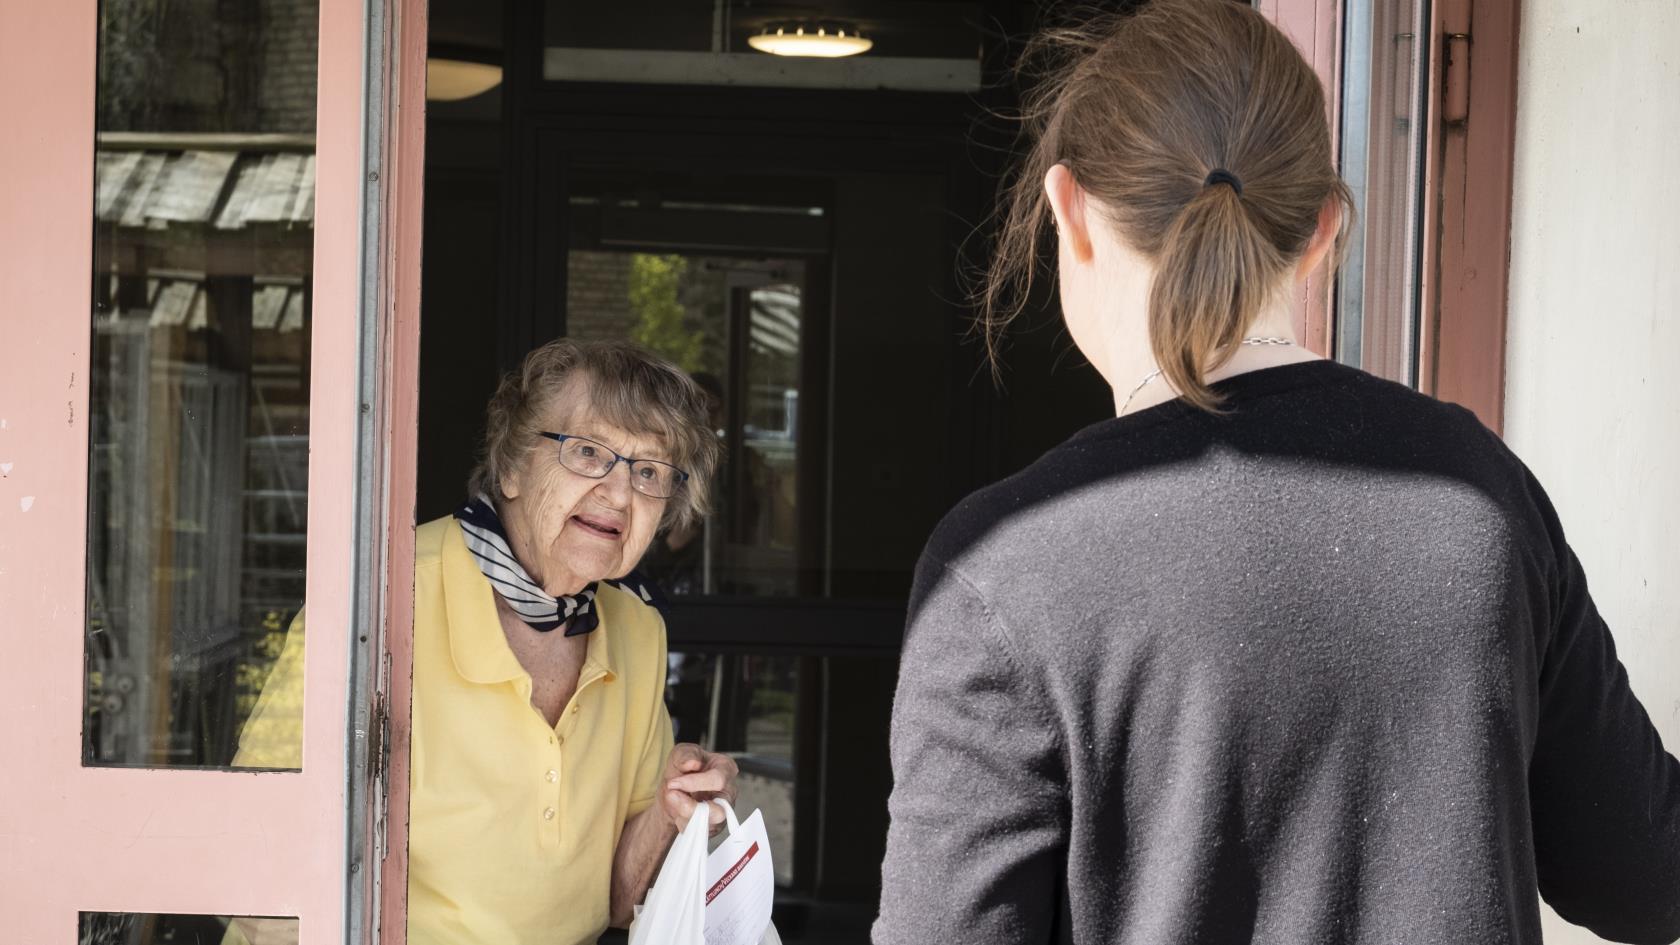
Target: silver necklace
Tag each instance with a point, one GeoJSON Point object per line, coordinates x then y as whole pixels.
{"type": "Point", "coordinates": [1255, 340]}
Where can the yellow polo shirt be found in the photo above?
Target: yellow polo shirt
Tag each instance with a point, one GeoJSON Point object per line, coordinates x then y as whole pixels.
{"type": "Point", "coordinates": [512, 823]}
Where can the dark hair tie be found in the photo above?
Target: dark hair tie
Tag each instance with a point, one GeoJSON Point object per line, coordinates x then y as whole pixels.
{"type": "Point", "coordinates": [1219, 175]}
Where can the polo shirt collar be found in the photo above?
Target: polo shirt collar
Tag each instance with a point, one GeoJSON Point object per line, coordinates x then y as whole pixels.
{"type": "Point", "coordinates": [477, 644]}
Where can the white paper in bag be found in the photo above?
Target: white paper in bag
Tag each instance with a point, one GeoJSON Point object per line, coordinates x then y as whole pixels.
{"type": "Point", "coordinates": [740, 884]}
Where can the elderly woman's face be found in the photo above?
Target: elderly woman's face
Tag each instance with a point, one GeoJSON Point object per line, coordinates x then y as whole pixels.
{"type": "Point", "coordinates": [567, 529]}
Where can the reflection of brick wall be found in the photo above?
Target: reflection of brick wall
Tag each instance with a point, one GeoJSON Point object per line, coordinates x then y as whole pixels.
{"type": "Point", "coordinates": [598, 295]}
{"type": "Point", "coordinates": [286, 96]}
{"type": "Point", "coordinates": [239, 66]}
{"type": "Point", "coordinates": [598, 301]}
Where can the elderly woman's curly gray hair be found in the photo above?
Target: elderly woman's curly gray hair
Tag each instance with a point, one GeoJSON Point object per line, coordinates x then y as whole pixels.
{"type": "Point", "coordinates": [624, 385]}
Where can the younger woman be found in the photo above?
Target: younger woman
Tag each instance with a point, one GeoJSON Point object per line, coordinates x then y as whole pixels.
{"type": "Point", "coordinates": [1283, 652]}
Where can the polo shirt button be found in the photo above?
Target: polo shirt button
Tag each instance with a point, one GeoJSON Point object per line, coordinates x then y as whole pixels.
{"type": "Point", "coordinates": [552, 776]}
{"type": "Point", "coordinates": [548, 813]}
{"type": "Point", "coordinates": [559, 740]}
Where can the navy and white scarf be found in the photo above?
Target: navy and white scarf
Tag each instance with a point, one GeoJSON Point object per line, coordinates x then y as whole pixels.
{"type": "Point", "coordinates": [488, 541]}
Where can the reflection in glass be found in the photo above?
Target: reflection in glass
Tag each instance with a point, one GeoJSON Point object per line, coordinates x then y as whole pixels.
{"type": "Point", "coordinates": [150, 928]}
{"type": "Point", "coordinates": [1382, 161]}
{"type": "Point", "coordinates": [746, 706]}
{"type": "Point", "coordinates": [767, 459]}
{"type": "Point", "coordinates": [735, 325]}
{"type": "Point", "coordinates": [924, 45]}
{"type": "Point", "coordinates": [198, 463]}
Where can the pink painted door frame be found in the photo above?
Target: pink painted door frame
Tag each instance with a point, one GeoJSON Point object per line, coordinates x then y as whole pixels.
{"type": "Point", "coordinates": [75, 838]}
{"type": "Point", "coordinates": [1472, 76]}
{"type": "Point", "coordinates": [404, 135]}
{"type": "Point", "coordinates": [1467, 233]}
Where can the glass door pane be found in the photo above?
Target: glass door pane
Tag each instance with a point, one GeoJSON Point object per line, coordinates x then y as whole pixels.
{"type": "Point", "coordinates": [202, 280]}
{"type": "Point", "coordinates": [131, 928]}
{"type": "Point", "coordinates": [1382, 138]}
{"type": "Point", "coordinates": [757, 551]}
{"type": "Point", "coordinates": [748, 706]}
{"type": "Point", "coordinates": [736, 323]}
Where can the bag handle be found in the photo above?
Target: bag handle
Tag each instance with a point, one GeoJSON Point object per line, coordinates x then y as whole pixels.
{"type": "Point", "coordinates": [728, 814]}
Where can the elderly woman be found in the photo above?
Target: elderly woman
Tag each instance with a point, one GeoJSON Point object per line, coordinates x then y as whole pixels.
{"type": "Point", "coordinates": [544, 786]}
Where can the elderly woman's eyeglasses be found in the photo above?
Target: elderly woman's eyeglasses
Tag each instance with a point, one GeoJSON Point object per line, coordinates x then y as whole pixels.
{"type": "Point", "coordinates": [586, 457]}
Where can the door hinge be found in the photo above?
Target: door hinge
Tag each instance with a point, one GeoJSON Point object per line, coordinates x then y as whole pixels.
{"type": "Point", "coordinates": [1455, 94]}
{"type": "Point", "coordinates": [1455, 19]}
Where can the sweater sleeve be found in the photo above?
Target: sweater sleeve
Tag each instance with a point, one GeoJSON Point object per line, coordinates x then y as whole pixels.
{"type": "Point", "coordinates": [1605, 795]}
{"type": "Point", "coordinates": [976, 846]}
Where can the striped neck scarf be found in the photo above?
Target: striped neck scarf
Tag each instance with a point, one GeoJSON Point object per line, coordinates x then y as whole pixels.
{"type": "Point", "coordinates": [488, 542]}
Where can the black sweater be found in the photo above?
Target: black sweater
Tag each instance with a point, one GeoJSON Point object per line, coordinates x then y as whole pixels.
{"type": "Point", "coordinates": [1319, 670]}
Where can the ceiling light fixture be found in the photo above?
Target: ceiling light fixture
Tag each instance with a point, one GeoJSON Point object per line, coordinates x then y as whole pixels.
{"type": "Point", "coordinates": [450, 80]}
{"type": "Point", "coordinates": [824, 39]}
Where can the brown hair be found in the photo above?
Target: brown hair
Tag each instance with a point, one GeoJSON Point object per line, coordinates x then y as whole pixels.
{"type": "Point", "coordinates": [624, 385]}
{"type": "Point", "coordinates": [1141, 108]}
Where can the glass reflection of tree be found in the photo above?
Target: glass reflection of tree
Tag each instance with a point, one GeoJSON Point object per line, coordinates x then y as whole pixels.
{"type": "Point", "coordinates": [661, 321]}
{"type": "Point", "coordinates": [736, 326]}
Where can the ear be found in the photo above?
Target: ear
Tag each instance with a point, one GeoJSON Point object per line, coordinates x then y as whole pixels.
{"type": "Point", "coordinates": [1323, 238]}
{"type": "Point", "coordinates": [510, 486]}
{"type": "Point", "coordinates": [1067, 205]}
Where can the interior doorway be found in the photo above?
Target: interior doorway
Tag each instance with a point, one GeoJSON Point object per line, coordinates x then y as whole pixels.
{"type": "Point", "coordinates": [797, 242]}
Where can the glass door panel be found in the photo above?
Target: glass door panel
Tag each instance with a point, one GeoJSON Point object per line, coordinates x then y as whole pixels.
{"type": "Point", "coordinates": [182, 290]}
{"type": "Point", "coordinates": [1382, 139]}
{"type": "Point", "coordinates": [763, 446]}
{"type": "Point", "coordinates": [129, 928]}
{"type": "Point", "coordinates": [747, 705]}
{"type": "Point", "coordinates": [199, 379]}
{"type": "Point", "coordinates": [736, 324]}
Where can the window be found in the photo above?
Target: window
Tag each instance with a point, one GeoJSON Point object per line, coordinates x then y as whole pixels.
{"type": "Point", "coordinates": [130, 928]}
{"type": "Point", "coordinates": [1378, 301]}
{"type": "Point", "coordinates": [734, 325]}
{"type": "Point", "coordinates": [719, 290]}
{"type": "Point", "coordinates": [198, 462]}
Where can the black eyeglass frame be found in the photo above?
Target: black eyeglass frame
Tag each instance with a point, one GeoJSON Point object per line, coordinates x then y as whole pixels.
{"type": "Point", "coordinates": [629, 462]}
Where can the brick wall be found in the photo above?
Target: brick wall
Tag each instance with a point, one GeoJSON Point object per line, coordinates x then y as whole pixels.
{"type": "Point", "coordinates": [598, 295]}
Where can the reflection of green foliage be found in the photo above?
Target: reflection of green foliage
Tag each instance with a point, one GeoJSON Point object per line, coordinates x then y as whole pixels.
{"type": "Point", "coordinates": [660, 325]}
{"type": "Point", "coordinates": [774, 706]}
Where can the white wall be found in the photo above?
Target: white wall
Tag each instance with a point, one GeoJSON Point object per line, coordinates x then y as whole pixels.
{"type": "Point", "coordinates": [1593, 365]}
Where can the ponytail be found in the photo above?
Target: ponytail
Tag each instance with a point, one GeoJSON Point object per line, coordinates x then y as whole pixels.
{"type": "Point", "coordinates": [1213, 273]}
{"type": "Point", "coordinates": [1142, 106]}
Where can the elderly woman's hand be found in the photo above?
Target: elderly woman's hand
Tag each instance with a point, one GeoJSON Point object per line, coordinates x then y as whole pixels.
{"type": "Point", "coordinates": [693, 775]}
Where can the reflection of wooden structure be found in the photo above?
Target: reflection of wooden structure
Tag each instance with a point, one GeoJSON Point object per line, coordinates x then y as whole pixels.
{"type": "Point", "coordinates": [203, 250]}
{"type": "Point", "coordinates": [759, 548]}
{"type": "Point", "coordinates": [233, 204]}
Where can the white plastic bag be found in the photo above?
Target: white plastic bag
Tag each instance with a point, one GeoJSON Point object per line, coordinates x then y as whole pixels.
{"type": "Point", "coordinates": [740, 884]}
{"type": "Point", "coordinates": [675, 910]}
